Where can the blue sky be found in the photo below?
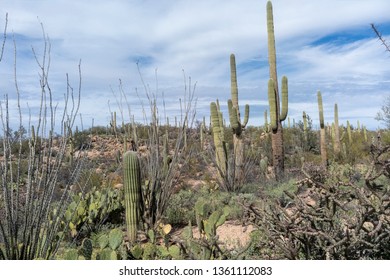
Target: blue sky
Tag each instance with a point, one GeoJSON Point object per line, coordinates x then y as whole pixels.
{"type": "Point", "coordinates": [321, 45]}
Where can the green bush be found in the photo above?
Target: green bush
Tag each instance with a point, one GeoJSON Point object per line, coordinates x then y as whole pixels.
{"type": "Point", "coordinates": [181, 207]}
{"type": "Point", "coordinates": [276, 190]}
{"type": "Point", "coordinates": [89, 211]}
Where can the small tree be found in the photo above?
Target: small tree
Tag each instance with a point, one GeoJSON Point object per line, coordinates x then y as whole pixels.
{"type": "Point", "coordinates": [384, 114]}
{"type": "Point", "coordinates": [380, 37]}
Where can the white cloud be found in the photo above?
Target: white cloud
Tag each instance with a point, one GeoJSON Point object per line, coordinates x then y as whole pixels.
{"type": "Point", "coordinates": [198, 36]}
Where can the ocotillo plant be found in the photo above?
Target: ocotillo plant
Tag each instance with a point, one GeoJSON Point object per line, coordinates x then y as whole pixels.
{"type": "Point", "coordinates": [235, 122]}
{"type": "Point", "coordinates": [133, 193]}
{"type": "Point", "coordinates": [202, 133]}
{"type": "Point", "coordinates": [166, 158]}
{"type": "Point", "coordinates": [277, 115]}
{"type": "Point", "coordinates": [71, 152]}
{"type": "Point", "coordinates": [219, 141]}
{"type": "Point", "coordinates": [324, 155]}
{"type": "Point", "coordinates": [134, 141]}
{"type": "Point", "coordinates": [336, 144]}
{"type": "Point", "coordinates": [113, 123]}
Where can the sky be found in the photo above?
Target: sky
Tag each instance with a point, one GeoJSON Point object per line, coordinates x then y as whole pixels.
{"type": "Point", "coordinates": [321, 45]}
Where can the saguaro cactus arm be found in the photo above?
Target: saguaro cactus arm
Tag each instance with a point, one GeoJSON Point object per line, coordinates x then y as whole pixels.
{"type": "Point", "coordinates": [234, 97]}
{"type": "Point", "coordinates": [272, 104]}
{"type": "Point", "coordinates": [234, 122]}
{"type": "Point", "coordinates": [283, 115]}
{"type": "Point", "coordinates": [246, 115]}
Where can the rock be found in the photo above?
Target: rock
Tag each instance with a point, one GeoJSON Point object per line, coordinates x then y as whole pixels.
{"type": "Point", "coordinates": [118, 186]}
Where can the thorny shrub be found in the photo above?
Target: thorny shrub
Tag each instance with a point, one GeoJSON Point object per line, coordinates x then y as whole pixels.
{"type": "Point", "coordinates": [346, 216]}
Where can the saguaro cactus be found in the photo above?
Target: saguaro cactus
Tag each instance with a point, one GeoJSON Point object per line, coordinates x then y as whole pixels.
{"type": "Point", "coordinates": [133, 193]}
{"type": "Point", "coordinates": [219, 141]}
{"type": "Point", "coordinates": [349, 131]}
{"type": "Point", "coordinates": [324, 155]}
{"type": "Point", "coordinates": [277, 115]}
{"type": "Point", "coordinates": [235, 121]}
{"type": "Point", "coordinates": [336, 144]}
{"type": "Point", "coordinates": [305, 137]}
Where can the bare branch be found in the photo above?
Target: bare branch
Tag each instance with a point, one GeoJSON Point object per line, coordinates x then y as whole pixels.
{"type": "Point", "coordinates": [4, 36]}
{"type": "Point", "coordinates": [380, 37]}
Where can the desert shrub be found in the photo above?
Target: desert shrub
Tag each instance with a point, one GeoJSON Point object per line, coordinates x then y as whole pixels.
{"type": "Point", "coordinates": [356, 151]}
{"type": "Point", "coordinates": [385, 137]}
{"type": "Point", "coordinates": [181, 208]}
{"type": "Point", "coordinates": [82, 140]}
{"type": "Point", "coordinates": [251, 188]}
{"type": "Point", "coordinates": [333, 217]}
{"type": "Point", "coordinates": [99, 130]}
{"type": "Point", "coordinates": [276, 190]}
{"type": "Point", "coordinates": [88, 179]}
{"type": "Point", "coordinates": [89, 211]}
{"type": "Point", "coordinates": [260, 247]}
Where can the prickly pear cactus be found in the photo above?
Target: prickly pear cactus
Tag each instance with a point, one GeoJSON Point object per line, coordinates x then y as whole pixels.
{"type": "Point", "coordinates": [115, 238]}
{"type": "Point", "coordinates": [102, 241]}
{"type": "Point", "coordinates": [107, 254]}
{"type": "Point", "coordinates": [71, 254]}
{"type": "Point", "coordinates": [86, 248]}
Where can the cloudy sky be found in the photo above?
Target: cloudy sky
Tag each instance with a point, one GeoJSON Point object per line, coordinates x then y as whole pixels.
{"type": "Point", "coordinates": [321, 45]}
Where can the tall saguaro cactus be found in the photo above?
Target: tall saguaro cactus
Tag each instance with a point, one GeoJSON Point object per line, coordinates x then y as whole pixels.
{"type": "Point", "coordinates": [133, 193]}
{"type": "Point", "coordinates": [235, 121]}
{"type": "Point", "coordinates": [324, 155]}
{"type": "Point", "coordinates": [305, 136]}
{"type": "Point", "coordinates": [276, 113]}
{"type": "Point", "coordinates": [349, 131]}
